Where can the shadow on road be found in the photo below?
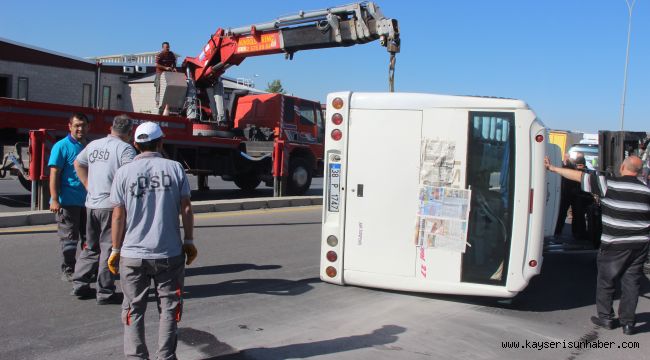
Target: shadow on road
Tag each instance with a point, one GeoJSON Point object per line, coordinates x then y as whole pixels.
{"type": "Point", "coordinates": [227, 269]}
{"type": "Point", "coordinates": [245, 286]}
{"type": "Point", "coordinates": [204, 342]}
{"type": "Point", "coordinates": [15, 201]}
{"type": "Point", "coordinates": [567, 281]}
{"type": "Point", "coordinates": [256, 225]}
{"type": "Point", "coordinates": [643, 323]}
{"type": "Point", "coordinates": [210, 346]}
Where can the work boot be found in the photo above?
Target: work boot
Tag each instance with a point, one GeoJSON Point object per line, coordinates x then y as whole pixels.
{"type": "Point", "coordinates": [114, 299]}
{"type": "Point", "coordinates": [82, 292]}
{"type": "Point", "coordinates": [628, 329]}
{"type": "Point", "coordinates": [608, 324]}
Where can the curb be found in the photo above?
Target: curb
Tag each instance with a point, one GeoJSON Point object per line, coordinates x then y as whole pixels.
{"type": "Point", "coordinates": [44, 217]}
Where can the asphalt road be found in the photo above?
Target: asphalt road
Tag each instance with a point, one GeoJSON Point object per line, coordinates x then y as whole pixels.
{"type": "Point", "coordinates": [13, 197]}
{"type": "Point", "coordinates": [254, 293]}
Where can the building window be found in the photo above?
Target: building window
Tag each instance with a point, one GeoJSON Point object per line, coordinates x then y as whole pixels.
{"type": "Point", "coordinates": [86, 96]}
{"type": "Point", "coordinates": [23, 88]}
{"type": "Point", "coordinates": [5, 85]}
{"type": "Point", "coordinates": [106, 97]}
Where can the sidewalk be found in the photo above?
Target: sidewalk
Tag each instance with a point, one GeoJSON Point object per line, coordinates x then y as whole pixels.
{"type": "Point", "coordinates": [43, 217]}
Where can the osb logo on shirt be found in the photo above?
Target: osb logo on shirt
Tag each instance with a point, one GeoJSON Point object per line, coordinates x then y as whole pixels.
{"type": "Point", "coordinates": [98, 155]}
{"type": "Point", "coordinates": [150, 182]}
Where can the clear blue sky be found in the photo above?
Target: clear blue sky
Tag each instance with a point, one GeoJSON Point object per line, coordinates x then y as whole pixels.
{"type": "Point", "coordinates": [565, 58]}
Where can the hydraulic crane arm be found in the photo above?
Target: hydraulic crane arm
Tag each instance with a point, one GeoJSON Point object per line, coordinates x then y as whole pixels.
{"type": "Point", "coordinates": [340, 26]}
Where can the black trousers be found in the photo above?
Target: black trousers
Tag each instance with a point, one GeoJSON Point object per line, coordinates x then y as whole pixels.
{"type": "Point", "coordinates": [71, 221]}
{"type": "Point", "coordinates": [619, 265]}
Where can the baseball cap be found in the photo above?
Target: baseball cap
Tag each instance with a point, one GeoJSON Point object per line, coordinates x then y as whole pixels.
{"type": "Point", "coordinates": [148, 131]}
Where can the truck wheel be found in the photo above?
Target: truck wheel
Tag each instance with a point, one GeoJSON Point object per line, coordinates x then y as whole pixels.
{"type": "Point", "coordinates": [247, 181]}
{"type": "Point", "coordinates": [300, 174]}
{"type": "Point", "coordinates": [26, 183]}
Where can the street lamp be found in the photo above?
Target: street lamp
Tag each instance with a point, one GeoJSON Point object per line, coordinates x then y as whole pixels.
{"type": "Point", "coordinates": [630, 7]}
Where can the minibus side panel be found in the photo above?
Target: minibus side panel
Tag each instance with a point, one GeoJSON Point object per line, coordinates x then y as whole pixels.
{"type": "Point", "coordinates": [382, 190]}
{"type": "Point", "coordinates": [449, 125]}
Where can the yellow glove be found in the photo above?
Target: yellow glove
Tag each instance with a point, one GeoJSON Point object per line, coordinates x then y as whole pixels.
{"type": "Point", "coordinates": [114, 261]}
{"type": "Point", "coordinates": [190, 251]}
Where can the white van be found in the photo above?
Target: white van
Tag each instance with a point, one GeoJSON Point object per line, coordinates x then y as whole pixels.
{"type": "Point", "coordinates": [433, 193]}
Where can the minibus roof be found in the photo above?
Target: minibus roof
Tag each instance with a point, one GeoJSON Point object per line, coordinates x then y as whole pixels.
{"type": "Point", "coordinates": [418, 101]}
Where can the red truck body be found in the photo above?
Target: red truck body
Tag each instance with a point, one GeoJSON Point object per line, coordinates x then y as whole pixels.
{"type": "Point", "coordinates": [233, 156]}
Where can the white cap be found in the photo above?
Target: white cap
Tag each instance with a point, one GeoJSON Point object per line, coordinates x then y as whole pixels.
{"type": "Point", "coordinates": [148, 131]}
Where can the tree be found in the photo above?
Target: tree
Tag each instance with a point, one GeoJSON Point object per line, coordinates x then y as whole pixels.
{"type": "Point", "coordinates": [275, 86]}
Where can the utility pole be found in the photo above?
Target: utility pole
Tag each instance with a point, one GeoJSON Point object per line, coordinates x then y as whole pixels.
{"type": "Point", "coordinates": [630, 7]}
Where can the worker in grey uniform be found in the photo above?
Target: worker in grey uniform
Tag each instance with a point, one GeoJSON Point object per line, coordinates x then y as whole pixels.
{"type": "Point", "coordinates": [96, 165]}
{"type": "Point", "coordinates": [148, 195]}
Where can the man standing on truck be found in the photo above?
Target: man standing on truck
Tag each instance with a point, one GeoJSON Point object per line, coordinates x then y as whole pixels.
{"type": "Point", "coordinates": [96, 166]}
{"type": "Point", "coordinates": [625, 203]}
{"type": "Point", "coordinates": [165, 61]}
{"type": "Point", "coordinates": [67, 192]}
{"type": "Point", "coordinates": [148, 195]}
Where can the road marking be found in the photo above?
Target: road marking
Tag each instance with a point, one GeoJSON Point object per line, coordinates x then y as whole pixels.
{"type": "Point", "coordinates": [254, 212]}
{"type": "Point", "coordinates": [213, 215]}
{"type": "Point", "coordinates": [28, 229]}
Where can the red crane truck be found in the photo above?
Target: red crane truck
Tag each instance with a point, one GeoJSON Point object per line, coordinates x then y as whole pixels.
{"type": "Point", "coordinates": [273, 138]}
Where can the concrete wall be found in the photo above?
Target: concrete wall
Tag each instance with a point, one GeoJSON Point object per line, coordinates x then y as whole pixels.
{"type": "Point", "coordinates": [118, 84]}
{"type": "Point", "coordinates": [60, 85]}
{"type": "Point", "coordinates": [141, 97]}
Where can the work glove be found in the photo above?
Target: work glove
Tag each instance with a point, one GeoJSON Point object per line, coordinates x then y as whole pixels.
{"type": "Point", "coordinates": [190, 251]}
{"type": "Point", "coordinates": [114, 261]}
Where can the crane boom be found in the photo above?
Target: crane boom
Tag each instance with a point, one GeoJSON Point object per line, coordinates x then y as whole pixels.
{"type": "Point", "coordinates": [340, 26]}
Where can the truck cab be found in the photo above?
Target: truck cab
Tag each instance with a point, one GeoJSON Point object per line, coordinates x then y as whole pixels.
{"type": "Point", "coordinates": [297, 124]}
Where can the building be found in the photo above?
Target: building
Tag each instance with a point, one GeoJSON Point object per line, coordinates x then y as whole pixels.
{"type": "Point", "coordinates": [36, 74]}
{"type": "Point", "coordinates": [116, 82]}
{"type": "Point", "coordinates": [142, 59]}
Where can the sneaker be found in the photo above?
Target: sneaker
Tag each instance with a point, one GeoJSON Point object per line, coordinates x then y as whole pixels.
{"type": "Point", "coordinates": [114, 299]}
{"type": "Point", "coordinates": [66, 276]}
{"type": "Point", "coordinates": [83, 292]}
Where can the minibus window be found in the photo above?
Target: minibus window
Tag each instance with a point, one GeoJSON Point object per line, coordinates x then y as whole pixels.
{"type": "Point", "coordinates": [490, 175]}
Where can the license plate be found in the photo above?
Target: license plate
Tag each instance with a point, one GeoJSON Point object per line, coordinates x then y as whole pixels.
{"type": "Point", "coordinates": [334, 188]}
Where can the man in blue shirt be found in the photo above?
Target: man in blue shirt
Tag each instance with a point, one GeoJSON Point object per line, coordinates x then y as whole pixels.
{"type": "Point", "coordinates": [68, 194]}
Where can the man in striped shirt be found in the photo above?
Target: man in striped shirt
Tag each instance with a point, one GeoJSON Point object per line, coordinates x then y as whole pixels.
{"type": "Point", "coordinates": [625, 203]}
